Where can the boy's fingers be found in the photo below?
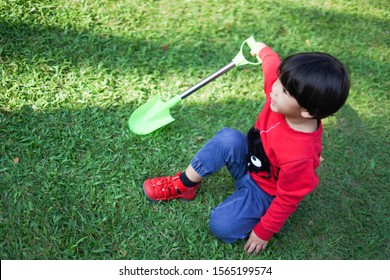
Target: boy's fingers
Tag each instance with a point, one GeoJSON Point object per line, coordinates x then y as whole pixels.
{"type": "Point", "coordinates": [251, 248]}
{"type": "Point", "coordinates": [246, 247]}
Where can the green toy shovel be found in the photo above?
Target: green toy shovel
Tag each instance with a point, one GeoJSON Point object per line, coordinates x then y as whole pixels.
{"type": "Point", "coordinates": [155, 113]}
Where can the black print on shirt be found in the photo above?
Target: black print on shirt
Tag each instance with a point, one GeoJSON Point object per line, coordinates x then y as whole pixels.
{"type": "Point", "coordinates": [256, 159]}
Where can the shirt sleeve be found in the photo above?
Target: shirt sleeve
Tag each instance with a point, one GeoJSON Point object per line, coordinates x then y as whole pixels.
{"type": "Point", "coordinates": [270, 64]}
{"type": "Point", "coordinates": [296, 180]}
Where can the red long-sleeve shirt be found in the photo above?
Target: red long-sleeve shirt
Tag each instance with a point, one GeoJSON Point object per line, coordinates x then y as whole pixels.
{"type": "Point", "coordinates": [293, 155]}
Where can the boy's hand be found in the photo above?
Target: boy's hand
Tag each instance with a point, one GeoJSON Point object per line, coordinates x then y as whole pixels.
{"type": "Point", "coordinates": [256, 50]}
{"type": "Point", "coordinates": [255, 244]}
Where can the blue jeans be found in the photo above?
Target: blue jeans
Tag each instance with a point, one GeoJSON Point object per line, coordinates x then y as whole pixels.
{"type": "Point", "coordinates": [235, 217]}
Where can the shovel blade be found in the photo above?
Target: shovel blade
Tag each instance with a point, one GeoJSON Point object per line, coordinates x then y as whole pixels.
{"type": "Point", "coordinates": [152, 115]}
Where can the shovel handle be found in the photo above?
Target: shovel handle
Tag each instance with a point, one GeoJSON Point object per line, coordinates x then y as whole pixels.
{"type": "Point", "coordinates": [237, 61]}
{"type": "Point", "coordinates": [210, 78]}
{"type": "Point", "coordinates": [240, 59]}
{"type": "Point", "coordinates": [251, 42]}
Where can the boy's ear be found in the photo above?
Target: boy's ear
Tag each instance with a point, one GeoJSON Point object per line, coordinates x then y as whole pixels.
{"type": "Point", "coordinates": [306, 114]}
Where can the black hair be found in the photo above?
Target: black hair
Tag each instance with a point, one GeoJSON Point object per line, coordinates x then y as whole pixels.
{"type": "Point", "coordinates": [318, 81]}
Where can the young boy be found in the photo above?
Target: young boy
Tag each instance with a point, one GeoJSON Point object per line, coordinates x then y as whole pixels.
{"type": "Point", "coordinates": [275, 164]}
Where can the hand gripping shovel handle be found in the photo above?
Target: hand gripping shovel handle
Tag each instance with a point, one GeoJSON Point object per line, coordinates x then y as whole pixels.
{"type": "Point", "coordinates": [238, 60]}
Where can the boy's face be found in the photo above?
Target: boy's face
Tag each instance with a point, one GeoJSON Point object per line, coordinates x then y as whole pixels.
{"type": "Point", "coordinates": [282, 102]}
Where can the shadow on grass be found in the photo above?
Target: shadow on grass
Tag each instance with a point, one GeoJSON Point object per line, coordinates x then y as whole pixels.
{"type": "Point", "coordinates": [58, 46]}
{"type": "Point", "coordinates": [71, 185]}
{"type": "Point", "coordinates": [71, 188]}
{"type": "Point", "coordinates": [71, 179]}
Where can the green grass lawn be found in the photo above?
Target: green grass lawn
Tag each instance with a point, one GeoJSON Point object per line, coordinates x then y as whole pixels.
{"type": "Point", "coordinates": [71, 172]}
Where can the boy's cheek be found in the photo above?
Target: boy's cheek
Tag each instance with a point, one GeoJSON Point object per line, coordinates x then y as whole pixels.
{"type": "Point", "coordinates": [273, 108]}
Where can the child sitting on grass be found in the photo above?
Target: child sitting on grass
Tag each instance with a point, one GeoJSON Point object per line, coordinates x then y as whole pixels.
{"type": "Point", "coordinates": [275, 164]}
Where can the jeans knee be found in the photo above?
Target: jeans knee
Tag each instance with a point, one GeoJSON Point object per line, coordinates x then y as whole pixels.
{"type": "Point", "coordinates": [221, 229]}
{"type": "Point", "coordinates": [233, 139]}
